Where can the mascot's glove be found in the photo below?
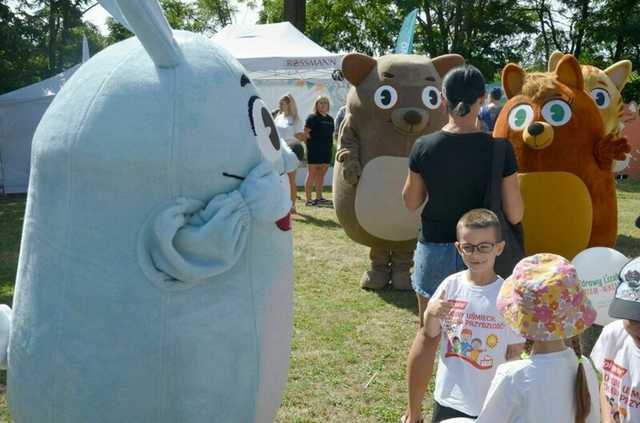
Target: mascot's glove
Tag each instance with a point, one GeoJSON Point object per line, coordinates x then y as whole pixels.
{"type": "Point", "coordinates": [5, 330]}
{"type": "Point", "coordinates": [191, 241]}
{"type": "Point", "coordinates": [609, 149]}
{"type": "Point", "coordinates": [265, 194]}
{"type": "Point", "coordinates": [351, 169]}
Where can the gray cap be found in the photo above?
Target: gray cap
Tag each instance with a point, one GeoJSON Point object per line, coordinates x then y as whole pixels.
{"type": "Point", "coordinates": [626, 302]}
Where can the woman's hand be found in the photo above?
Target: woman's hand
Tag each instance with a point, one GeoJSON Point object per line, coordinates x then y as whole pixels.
{"type": "Point", "coordinates": [414, 192]}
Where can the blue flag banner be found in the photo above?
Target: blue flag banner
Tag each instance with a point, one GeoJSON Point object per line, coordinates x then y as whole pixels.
{"type": "Point", "coordinates": [404, 45]}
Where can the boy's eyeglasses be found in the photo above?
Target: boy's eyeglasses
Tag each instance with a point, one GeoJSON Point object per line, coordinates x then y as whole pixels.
{"type": "Point", "coordinates": [483, 247]}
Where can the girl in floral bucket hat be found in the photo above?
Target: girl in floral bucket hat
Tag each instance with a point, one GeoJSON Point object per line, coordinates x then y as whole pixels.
{"type": "Point", "coordinates": [544, 302]}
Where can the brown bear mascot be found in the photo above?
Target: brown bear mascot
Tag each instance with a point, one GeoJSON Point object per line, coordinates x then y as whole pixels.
{"type": "Point", "coordinates": [394, 100]}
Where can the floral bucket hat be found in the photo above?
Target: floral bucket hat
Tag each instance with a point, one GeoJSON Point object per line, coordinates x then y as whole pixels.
{"type": "Point", "coordinates": [543, 299]}
{"type": "Point", "coordinates": [626, 302]}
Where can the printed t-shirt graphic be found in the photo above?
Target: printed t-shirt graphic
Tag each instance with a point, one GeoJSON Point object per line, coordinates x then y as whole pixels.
{"type": "Point", "coordinates": [617, 356]}
{"type": "Point", "coordinates": [474, 342]}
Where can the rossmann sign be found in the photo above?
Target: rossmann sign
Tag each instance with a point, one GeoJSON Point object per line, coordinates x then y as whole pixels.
{"type": "Point", "coordinates": [312, 62]}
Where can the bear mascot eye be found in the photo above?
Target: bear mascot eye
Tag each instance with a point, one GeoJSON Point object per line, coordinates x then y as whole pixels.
{"type": "Point", "coordinates": [431, 97]}
{"type": "Point", "coordinates": [556, 112]}
{"type": "Point", "coordinates": [385, 97]}
{"type": "Point", "coordinates": [264, 129]}
{"type": "Point", "coordinates": [601, 97]}
{"type": "Point", "coordinates": [520, 117]}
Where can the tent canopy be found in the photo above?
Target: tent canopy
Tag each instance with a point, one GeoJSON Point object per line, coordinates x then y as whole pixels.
{"type": "Point", "coordinates": [20, 113]}
{"type": "Point", "coordinates": [277, 50]}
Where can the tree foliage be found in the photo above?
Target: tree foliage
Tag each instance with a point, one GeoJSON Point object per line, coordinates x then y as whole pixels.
{"type": "Point", "coordinates": [39, 38]}
{"type": "Point", "coordinates": [489, 33]}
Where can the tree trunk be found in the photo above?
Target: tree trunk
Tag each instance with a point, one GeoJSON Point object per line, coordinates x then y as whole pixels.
{"type": "Point", "coordinates": [52, 25]}
{"type": "Point", "coordinates": [294, 12]}
{"type": "Point", "coordinates": [428, 28]}
{"type": "Point", "coordinates": [540, 10]}
{"type": "Point", "coordinates": [582, 23]}
{"type": "Point", "coordinates": [444, 28]}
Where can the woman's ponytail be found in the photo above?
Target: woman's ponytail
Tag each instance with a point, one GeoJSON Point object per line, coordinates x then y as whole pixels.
{"type": "Point", "coordinates": [461, 109]}
{"type": "Point", "coordinates": [583, 399]}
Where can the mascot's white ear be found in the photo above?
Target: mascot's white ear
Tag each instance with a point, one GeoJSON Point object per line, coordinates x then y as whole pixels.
{"type": "Point", "coordinates": [146, 20]}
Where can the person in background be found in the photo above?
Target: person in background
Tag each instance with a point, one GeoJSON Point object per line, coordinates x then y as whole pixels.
{"type": "Point", "coordinates": [490, 111]}
{"type": "Point", "coordinates": [290, 129]}
{"type": "Point", "coordinates": [319, 129]}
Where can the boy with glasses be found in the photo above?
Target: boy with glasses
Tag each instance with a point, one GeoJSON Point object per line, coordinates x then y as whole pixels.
{"type": "Point", "coordinates": [464, 307]}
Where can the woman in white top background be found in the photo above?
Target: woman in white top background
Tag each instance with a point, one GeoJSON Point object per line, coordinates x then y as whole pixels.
{"type": "Point", "coordinates": [291, 129]}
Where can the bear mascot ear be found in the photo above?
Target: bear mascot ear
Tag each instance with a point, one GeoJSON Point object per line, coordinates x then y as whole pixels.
{"type": "Point", "coordinates": [553, 60]}
{"type": "Point", "coordinates": [619, 73]}
{"type": "Point", "coordinates": [569, 73]}
{"type": "Point", "coordinates": [356, 67]}
{"type": "Point", "coordinates": [446, 62]}
{"type": "Point", "coordinates": [512, 80]}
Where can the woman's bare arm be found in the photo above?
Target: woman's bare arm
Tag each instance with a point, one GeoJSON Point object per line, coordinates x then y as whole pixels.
{"type": "Point", "coordinates": [414, 192]}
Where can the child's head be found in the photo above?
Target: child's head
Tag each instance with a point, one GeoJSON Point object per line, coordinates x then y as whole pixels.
{"type": "Point", "coordinates": [479, 239]}
{"type": "Point", "coordinates": [476, 343]}
{"type": "Point", "coordinates": [544, 301]}
{"type": "Point", "coordinates": [626, 302]}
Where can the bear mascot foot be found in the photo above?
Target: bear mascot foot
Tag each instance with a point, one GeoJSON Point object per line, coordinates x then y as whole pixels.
{"type": "Point", "coordinates": [401, 262]}
{"type": "Point", "coordinates": [401, 280]}
{"type": "Point", "coordinates": [375, 279]}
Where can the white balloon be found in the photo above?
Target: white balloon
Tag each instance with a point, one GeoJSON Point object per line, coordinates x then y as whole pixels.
{"type": "Point", "coordinates": [620, 165]}
{"type": "Point", "coordinates": [598, 269]}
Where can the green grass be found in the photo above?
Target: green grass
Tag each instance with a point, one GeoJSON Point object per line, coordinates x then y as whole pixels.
{"type": "Point", "coordinates": [349, 346]}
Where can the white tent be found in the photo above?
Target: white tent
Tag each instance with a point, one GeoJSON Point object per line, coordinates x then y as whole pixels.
{"type": "Point", "coordinates": [20, 113]}
{"type": "Point", "coordinates": [280, 60]}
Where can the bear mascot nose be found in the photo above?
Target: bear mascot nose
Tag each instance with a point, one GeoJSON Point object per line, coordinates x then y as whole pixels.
{"type": "Point", "coordinates": [412, 117]}
{"type": "Point", "coordinates": [535, 129]}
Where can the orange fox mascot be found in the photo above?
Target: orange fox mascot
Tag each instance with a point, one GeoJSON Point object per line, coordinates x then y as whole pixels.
{"type": "Point", "coordinates": [565, 157]}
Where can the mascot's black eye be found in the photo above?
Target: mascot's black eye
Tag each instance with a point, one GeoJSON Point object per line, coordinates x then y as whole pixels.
{"type": "Point", "coordinates": [264, 128]}
{"type": "Point", "coordinates": [385, 97]}
{"type": "Point", "coordinates": [268, 122]}
{"type": "Point", "coordinates": [601, 97]}
{"type": "Point", "coordinates": [431, 97]}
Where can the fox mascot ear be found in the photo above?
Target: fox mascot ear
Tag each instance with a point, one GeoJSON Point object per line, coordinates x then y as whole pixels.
{"type": "Point", "coordinates": [569, 73]}
{"type": "Point", "coordinates": [356, 67]}
{"type": "Point", "coordinates": [512, 80]}
{"type": "Point", "coordinates": [146, 20]}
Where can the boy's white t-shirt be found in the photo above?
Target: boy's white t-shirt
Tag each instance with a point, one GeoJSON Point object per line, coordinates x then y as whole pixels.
{"type": "Point", "coordinates": [473, 344]}
{"type": "Point", "coordinates": [539, 389]}
{"type": "Point", "coordinates": [287, 127]}
{"type": "Point", "coordinates": [617, 357]}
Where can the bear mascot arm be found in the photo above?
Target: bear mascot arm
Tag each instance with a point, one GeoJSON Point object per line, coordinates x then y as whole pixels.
{"type": "Point", "coordinates": [355, 67]}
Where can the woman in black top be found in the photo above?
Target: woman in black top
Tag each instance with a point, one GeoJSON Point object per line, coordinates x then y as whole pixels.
{"type": "Point", "coordinates": [319, 130]}
{"type": "Point", "coordinates": [451, 169]}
